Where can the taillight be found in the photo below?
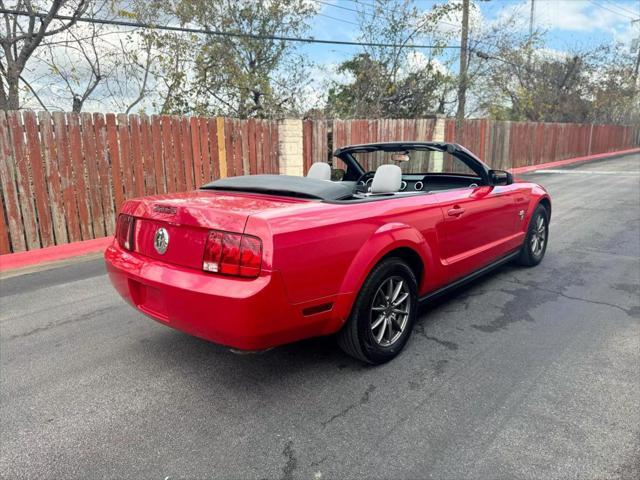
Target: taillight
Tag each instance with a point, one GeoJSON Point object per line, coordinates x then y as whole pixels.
{"type": "Point", "coordinates": [232, 254]}
{"type": "Point", "coordinates": [124, 231]}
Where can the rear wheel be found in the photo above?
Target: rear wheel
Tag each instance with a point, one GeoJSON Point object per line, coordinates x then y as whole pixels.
{"type": "Point", "coordinates": [535, 243]}
{"type": "Point", "coordinates": [383, 315]}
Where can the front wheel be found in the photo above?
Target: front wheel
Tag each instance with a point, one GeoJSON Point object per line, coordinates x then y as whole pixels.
{"type": "Point", "coordinates": [535, 243]}
{"type": "Point", "coordinates": [383, 315]}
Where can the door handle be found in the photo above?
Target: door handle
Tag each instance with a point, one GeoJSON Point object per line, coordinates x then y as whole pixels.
{"type": "Point", "coordinates": [455, 212]}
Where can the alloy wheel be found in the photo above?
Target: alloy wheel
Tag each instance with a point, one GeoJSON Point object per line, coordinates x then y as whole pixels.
{"type": "Point", "coordinates": [390, 311]}
{"type": "Point", "coordinates": [539, 236]}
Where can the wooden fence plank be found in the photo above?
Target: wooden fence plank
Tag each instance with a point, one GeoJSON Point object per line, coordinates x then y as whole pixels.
{"type": "Point", "coordinates": [104, 173]}
{"type": "Point", "coordinates": [167, 154]}
{"type": "Point", "coordinates": [223, 143]}
{"type": "Point", "coordinates": [251, 146]}
{"type": "Point", "coordinates": [148, 159]}
{"type": "Point", "coordinates": [178, 155]}
{"type": "Point", "coordinates": [9, 188]}
{"type": "Point", "coordinates": [187, 153]}
{"type": "Point", "coordinates": [244, 146]}
{"type": "Point", "coordinates": [93, 179]}
{"type": "Point", "coordinates": [5, 246]}
{"type": "Point", "coordinates": [25, 191]}
{"type": "Point", "coordinates": [158, 164]}
{"type": "Point", "coordinates": [137, 160]}
{"type": "Point", "coordinates": [208, 148]}
{"type": "Point", "coordinates": [124, 137]}
{"type": "Point", "coordinates": [275, 148]}
{"type": "Point", "coordinates": [259, 138]}
{"type": "Point", "coordinates": [114, 157]}
{"type": "Point", "coordinates": [194, 128]}
{"type": "Point", "coordinates": [56, 200]}
{"type": "Point", "coordinates": [79, 176]}
{"type": "Point", "coordinates": [39, 182]}
{"type": "Point", "coordinates": [63, 147]}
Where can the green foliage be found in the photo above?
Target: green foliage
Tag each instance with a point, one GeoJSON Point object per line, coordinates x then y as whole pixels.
{"type": "Point", "coordinates": [395, 81]}
{"type": "Point", "coordinates": [529, 83]}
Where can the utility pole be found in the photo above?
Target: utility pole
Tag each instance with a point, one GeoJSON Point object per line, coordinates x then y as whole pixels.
{"type": "Point", "coordinates": [464, 62]}
{"type": "Point", "coordinates": [533, 9]}
{"type": "Point", "coordinates": [637, 42]}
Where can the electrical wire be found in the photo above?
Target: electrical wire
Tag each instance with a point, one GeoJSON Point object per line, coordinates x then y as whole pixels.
{"type": "Point", "coordinates": [220, 33]}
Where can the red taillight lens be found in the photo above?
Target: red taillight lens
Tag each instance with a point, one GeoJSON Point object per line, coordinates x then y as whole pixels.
{"type": "Point", "coordinates": [124, 231]}
{"type": "Point", "coordinates": [232, 254]}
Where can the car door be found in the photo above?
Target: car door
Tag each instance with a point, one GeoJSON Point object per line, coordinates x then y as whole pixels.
{"type": "Point", "coordinates": [478, 227]}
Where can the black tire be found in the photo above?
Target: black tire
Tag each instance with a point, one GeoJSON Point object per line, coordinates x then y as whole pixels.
{"type": "Point", "coordinates": [531, 256]}
{"type": "Point", "coordinates": [357, 337]}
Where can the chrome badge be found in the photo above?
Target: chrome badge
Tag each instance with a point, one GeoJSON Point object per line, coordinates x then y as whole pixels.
{"type": "Point", "coordinates": [161, 241]}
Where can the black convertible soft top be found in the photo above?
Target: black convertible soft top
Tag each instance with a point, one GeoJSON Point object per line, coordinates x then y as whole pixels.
{"type": "Point", "coordinates": [286, 185]}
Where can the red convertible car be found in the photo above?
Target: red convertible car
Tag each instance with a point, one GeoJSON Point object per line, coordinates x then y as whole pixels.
{"type": "Point", "coordinates": [256, 261]}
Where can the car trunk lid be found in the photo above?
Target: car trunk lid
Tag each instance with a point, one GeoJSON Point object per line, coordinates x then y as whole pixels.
{"type": "Point", "coordinates": [187, 219]}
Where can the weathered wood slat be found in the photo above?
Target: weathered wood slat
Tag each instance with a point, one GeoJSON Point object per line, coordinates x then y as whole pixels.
{"type": "Point", "coordinates": [50, 155]}
{"type": "Point", "coordinates": [167, 154]}
{"type": "Point", "coordinates": [114, 157]}
{"type": "Point", "coordinates": [148, 160]}
{"type": "Point", "coordinates": [5, 246]}
{"type": "Point", "coordinates": [23, 177]}
{"type": "Point", "coordinates": [104, 172]}
{"type": "Point", "coordinates": [38, 179]}
{"type": "Point", "coordinates": [158, 164]}
{"type": "Point", "coordinates": [93, 179]}
{"type": "Point", "coordinates": [194, 128]}
{"type": "Point", "coordinates": [177, 159]}
{"type": "Point", "coordinates": [79, 176]}
{"type": "Point", "coordinates": [14, 222]}
{"type": "Point", "coordinates": [137, 160]}
{"type": "Point", "coordinates": [187, 153]}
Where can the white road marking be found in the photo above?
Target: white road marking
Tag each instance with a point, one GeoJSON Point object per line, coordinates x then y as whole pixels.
{"type": "Point", "coordinates": [589, 172]}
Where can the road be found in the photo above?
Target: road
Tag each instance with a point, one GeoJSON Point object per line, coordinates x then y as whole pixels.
{"type": "Point", "coordinates": [527, 373]}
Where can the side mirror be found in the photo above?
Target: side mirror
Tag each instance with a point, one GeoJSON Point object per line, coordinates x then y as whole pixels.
{"type": "Point", "coordinates": [500, 177]}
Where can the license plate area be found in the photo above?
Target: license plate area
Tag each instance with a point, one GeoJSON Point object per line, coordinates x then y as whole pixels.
{"type": "Point", "coordinates": [149, 299]}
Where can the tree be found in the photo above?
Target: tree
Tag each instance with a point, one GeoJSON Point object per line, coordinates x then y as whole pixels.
{"type": "Point", "coordinates": [394, 81]}
{"type": "Point", "coordinates": [21, 37]}
{"type": "Point", "coordinates": [530, 83]}
{"type": "Point", "coordinates": [244, 76]}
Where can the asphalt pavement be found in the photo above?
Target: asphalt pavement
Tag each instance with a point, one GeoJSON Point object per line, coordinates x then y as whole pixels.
{"type": "Point", "coordinates": [525, 374]}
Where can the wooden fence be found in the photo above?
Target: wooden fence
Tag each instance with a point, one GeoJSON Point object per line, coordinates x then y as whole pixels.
{"type": "Point", "coordinates": [65, 175]}
{"type": "Point", "coordinates": [502, 145]}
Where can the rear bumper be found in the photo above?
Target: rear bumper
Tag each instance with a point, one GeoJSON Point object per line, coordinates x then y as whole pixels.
{"type": "Point", "coordinates": [247, 314]}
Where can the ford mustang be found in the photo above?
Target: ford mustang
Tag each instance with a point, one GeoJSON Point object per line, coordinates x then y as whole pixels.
{"type": "Point", "coordinates": [252, 262]}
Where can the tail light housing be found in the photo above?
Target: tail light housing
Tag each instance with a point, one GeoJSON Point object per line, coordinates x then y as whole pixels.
{"type": "Point", "coordinates": [124, 231]}
{"type": "Point", "coordinates": [232, 254]}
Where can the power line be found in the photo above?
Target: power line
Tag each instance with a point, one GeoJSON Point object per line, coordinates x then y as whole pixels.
{"type": "Point", "coordinates": [611, 10]}
{"type": "Point", "coordinates": [220, 33]}
{"type": "Point", "coordinates": [337, 19]}
{"type": "Point", "coordinates": [624, 9]}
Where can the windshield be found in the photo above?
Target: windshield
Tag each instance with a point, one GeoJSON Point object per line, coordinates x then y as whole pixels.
{"type": "Point", "coordinates": [414, 162]}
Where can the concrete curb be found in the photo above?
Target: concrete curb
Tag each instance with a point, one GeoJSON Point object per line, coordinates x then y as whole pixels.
{"type": "Point", "coordinates": [571, 161]}
{"type": "Point", "coordinates": [20, 260]}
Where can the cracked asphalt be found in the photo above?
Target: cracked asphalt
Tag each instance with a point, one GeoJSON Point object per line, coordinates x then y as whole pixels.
{"type": "Point", "coordinates": [526, 374]}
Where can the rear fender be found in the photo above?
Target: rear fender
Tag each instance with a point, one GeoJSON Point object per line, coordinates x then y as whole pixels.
{"type": "Point", "coordinates": [387, 238]}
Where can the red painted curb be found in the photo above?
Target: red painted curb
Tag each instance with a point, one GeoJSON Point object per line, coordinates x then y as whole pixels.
{"type": "Point", "coordinates": [569, 161]}
{"type": "Point", "coordinates": [13, 261]}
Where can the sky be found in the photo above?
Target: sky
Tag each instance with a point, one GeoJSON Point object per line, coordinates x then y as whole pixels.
{"type": "Point", "coordinates": [567, 23]}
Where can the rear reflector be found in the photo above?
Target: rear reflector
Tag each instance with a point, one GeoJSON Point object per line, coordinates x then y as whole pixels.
{"type": "Point", "coordinates": [124, 231]}
{"type": "Point", "coordinates": [232, 254]}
